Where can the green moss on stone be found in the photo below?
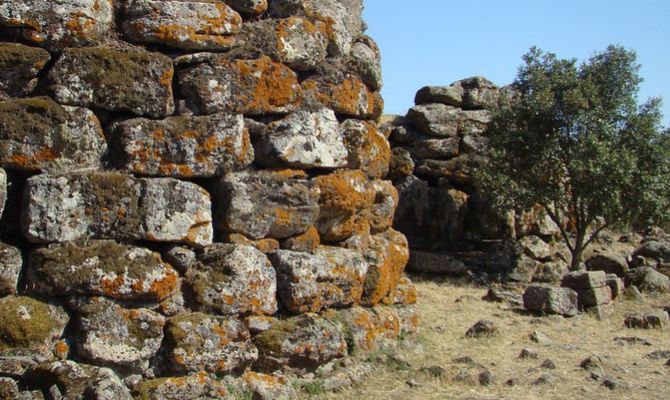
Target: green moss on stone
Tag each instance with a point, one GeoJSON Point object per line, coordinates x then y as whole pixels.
{"type": "Point", "coordinates": [29, 120]}
{"type": "Point", "coordinates": [24, 322]}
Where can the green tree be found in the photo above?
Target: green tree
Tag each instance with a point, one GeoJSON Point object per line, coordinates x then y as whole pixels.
{"type": "Point", "coordinates": [573, 139]}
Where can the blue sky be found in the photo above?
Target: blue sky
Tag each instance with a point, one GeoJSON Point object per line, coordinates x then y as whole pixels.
{"type": "Point", "coordinates": [435, 42]}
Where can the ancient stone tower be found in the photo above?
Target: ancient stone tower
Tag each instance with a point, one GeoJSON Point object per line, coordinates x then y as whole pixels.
{"type": "Point", "coordinates": [194, 197]}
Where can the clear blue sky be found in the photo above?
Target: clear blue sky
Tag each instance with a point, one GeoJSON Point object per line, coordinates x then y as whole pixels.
{"type": "Point", "coordinates": [435, 42]}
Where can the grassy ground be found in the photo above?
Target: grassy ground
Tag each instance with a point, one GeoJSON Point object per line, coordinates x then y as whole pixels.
{"type": "Point", "coordinates": [447, 310]}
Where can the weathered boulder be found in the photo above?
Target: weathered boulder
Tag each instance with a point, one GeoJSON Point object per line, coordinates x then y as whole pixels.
{"type": "Point", "coordinates": [199, 342]}
{"type": "Point", "coordinates": [77, 381]}
{"type": "Point", "coordinates": [294, 41]}
{"type": "Point", "coordinates": [648, 280]}
{"type": "Point", "coordinates": [471, 93]}
{"type": "Point", "coordinates": [300, 343]}
{"type": "Point", "coordinates": [10, 268]}
{"type": "Point", "coordinates": [384, 205]}
{"type": "Point", "coordinates": [365, 59]}
{"type": "Point", "coordinates": [611, 263]}
{"type": "Point", "coordinates": [234, 280]}
{"type": "Point", "coordinates": [342, 19]}
{"type": "Point", "coordinates": [258, 204]}
{"type": "Point", "coordinates": [101, 268]}
{"type": "Point", "coordinates": [537, 249]}
{"type": "Point", "coordinates": [405, 293]}
{"type": "Point", "coordinates": [249, 87]}
{"type": "Point", "coordinates": [267, 387]}
{"type": "Point", "coordinates": [196, 386]}
{"type": "Point", "coordinates": [367, 329]}
{"type": "Point", "coordinates": [184, 24]}
{"type": "Point", "coordinates": [39, 134]}
{"type": "Point", "coordinates": [483, 328]}
{"type": "Point", "coordinates": [435, 119]}
{"type": "Point", "coordinates": [551, 300]}
{"type": "Point", "coordinates": [332, 277]}
{"type": "Point", "coordinates": [111, 335]}
{"type": "Point", "coordinates": [387, 257]}
{"type": "Point", "coordinates": [28, 328]}
{"type": "Point", "coordinates": [658, 251]}
{"type": "Point", "coordinates": [346, 197]}
{"type": "Point", "coordinates": [71, 24]}
{"type": "Point", "coordinates": [112, 79]}
{"type": "Point", "coordinates": [344, 92]}
{"type": "Point", "coordinates": [19, 66]}
{"type": "Point", "coordinates": [304, 139]}
{"type": "Point", "coordinates": [115, 206]}
{"type": "Point", "coordinates": [185, 146]}
{"type": "Point", "coordinates": [368, 149]}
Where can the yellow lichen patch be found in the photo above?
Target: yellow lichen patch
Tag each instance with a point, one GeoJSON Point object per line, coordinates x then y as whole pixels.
{"type": "Point", "coordinates": [166, 78]}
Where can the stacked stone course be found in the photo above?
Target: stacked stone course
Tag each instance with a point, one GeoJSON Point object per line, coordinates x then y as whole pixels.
{"type": "Point", "coordinates": [193, 191]}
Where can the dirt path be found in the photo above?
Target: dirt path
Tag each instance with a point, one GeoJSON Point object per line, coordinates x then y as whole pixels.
{"type": "Point", "coordinates": [448, 310]}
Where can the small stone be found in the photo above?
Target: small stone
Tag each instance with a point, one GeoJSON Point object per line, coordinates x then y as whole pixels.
{"type": "Point", "coordinates": [592, 362]}
{"type": "Point", "coordinates": [307, 242]}
{"type": "Point", "coordinates": [632, 340]}
{"type": "Point", "coordinates": [435, 371]}
{"type": "Point", "coordinates": [483, 328]}
{"type": "Point", "coordinates": [512, 382]}
{"type": "Point", "coordinates": [249, 6]}
{"type": "Point", "coordinates": [615, 284]}
{"type": "Point", "coordinates": [181, 258]}
{"type": "Point", "coordinates": [544, 379]}
{"type": "Point", "coordinates": [540, 338]}
{"type": "Point", "coordinates": [486, 378]}
{"type": "Point", "coordinates": [548, 364]}
{"type": "Point", "coordinates": [658, 355]}
{"type": "Point", "coordinates": [402, 164]}
{"type": "Point", "coordinates": [413, 383]}
{"type": "Point", "coordinates": [528, 354]}
{"type": "Point", "coordinates": [612, 384]}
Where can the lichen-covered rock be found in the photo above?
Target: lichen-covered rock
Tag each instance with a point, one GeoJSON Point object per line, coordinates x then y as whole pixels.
{"type": "Point", "coordinates": [199, 342]}
{"type": "Point", "coordinates": [28, 328]}
{"type": "Point", "coordinates": [39, 134]}
{"type": "Point", "coordinates": [654, 250]}
{"type": "Point", "coordinates": [267, 245]}
{"type": "Point", "coordinates": [101, 268]}
{"type": "Point", "coordinates": [294, 41]}
{"type": "Point", "coordinates": [250, 87]}
{"type": "Point", "coordinates": [402, 165]}
{"type": "Point", "coordinates": [300, 343]}
{"type": "Point", "coordinates": [254, 7]}
{"type": "Point", "coordinates": [115, 206]}
{"type": "Point", "coordinates": [260, 204]}
{"type": "Point", "coordinates": [116, 80]}
{"type": "Point", "coordinates": [307, 242]}
{"type": "Point", "coordinates": [648, 280]}
{"type": "Point", "coordinates": [77, 381]}
{"type": "Point", "coordinates": [578, 280]}
{"type": "Point", "coordinates": [332, 277]}
{"type": "Point", "coordinates": [368, 149]}
{"type": "Point", "coordinates": [471, 94]}
{"type": "Point", "coordinates": [609, 262]}
{"type": "Point", "coordinates": [71, 24]}
{"type": "Point", "coordinates": [10, 268]}
{"type": "Point", "coordinates": [342, 19]}
{"type": "Point", "coordinates": [366, 329]}
{"type": "Point", "coordinates": [344, 92]}
{"type": "Point", "coordinates": [183, 24]}
{"type": "Point", "coordinates": [405, 293]}
{"type": "Point", "coordinates": [384, 205]}
{"type": "Point", "coordinates": [451, 212]}
{"type": "Point", "coordinates": [234, 280]}
{"type": "Point", "coordinates": [551, 300]}
{"type": "Point", "coordinates": [345, 200]}
{"type": "Point", "coordinates": [196, 386]}
{"type": "Point", "coordinates": [185, 146]}
{"type": "Point", "coordinates": [365, 59]}
{"type": "Point", "coordinates": [387, 257]}
{"type": "Point", "coordinates": [436, 148]}
{"type": "Point", "coordinates": [458, 170]}
{"type": "Point", "coordinates": [19, 66]}
{"type": "Point", "coordinates": [268, 387]}
{"type": "Point", "coordinates": [435, 119]}
{"type": "Point", "coordinates": [115, 336]}
{"type": "Point", "coordinates": [9, 389]}
{"type": "Point", "coordinates": [305, 139]}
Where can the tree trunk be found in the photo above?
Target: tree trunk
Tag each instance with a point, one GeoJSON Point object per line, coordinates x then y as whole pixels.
{"type": "Point", "coordinates": [577, 250]}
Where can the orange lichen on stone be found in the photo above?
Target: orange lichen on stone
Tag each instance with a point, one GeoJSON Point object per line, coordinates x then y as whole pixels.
{"type": "Point", "coordinates": [162, 288]}
{"type": "Point", "coordinates": [251, 376]}
{"type": "Point", "coordinates": [112, 287]}
{"type": "Point", "coordinates": [267, 245]}
{"type": "Point", "coordinates": [166, 78]}
{"type": "Point", "coordinates": [352, 97]}
{"type": "Point", "coordinates": [61, 350]}
{"type": "Point", "coordinates": [268, 85]}
{"type": "Point", "coordinates": [36, 161]}
{"type": "Point", "coordinates": [80, 24]}
{"type": "Point", "coordinates": [391, 252]}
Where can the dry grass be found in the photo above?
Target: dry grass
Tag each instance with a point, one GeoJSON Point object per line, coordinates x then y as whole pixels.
{"type": "Point", "coordinates": [447, 310]}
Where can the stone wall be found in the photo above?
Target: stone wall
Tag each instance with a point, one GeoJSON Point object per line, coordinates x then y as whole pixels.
{"type": "Point", "coordinates": [450, 226]}
{"type": "Point", "coordinates": [193, 192]}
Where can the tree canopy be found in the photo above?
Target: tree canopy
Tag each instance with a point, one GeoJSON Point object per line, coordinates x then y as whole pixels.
{"type": "Point", "coordinates": [574, 139]}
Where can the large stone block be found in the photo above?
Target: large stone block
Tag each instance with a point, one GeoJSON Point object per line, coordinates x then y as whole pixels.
{"type": "Point", "coordinates": [19, 66]}
{"type": "Point", "coordinates": [346, 198]}
{"type": "Point", "coordinates": [384, 205]}
{"type": "Point", "coordinates": [199, 342]}
{"type": "Point", "coordinates": [250, 87]}
{"type": "Point", "coordinates": [233, 280]}
{"type": "Point", "coordinates": [471, 93]}
{"type": "Point", "coordinates": [368, 329]}
{"type": "Point", "coordinates": [435, 119]}
{"type": "Point", "coordinates": [185, 146]}
{"type": "Point", "coordinates": [118, 80]}
{"type": "Point", "coordinates": [71, 23]}
{"type": "Point", "coordinates": [551, 300]}
{"type": "Point", "coordinates": [262, 204]}
{"type": "Point", "coordinates": [101, 268]}
{"type": "Point", "coordinates": [387, 257]}
{"type": "Point", "coordinates": [37, 134]}
{"type": "Point", "coordinates": [115, 336]}
{"type": "Point", "coordinates": [368, 149]}
{"type": "Point", "coordinates": [365, 59]}
{"type": "Point", "coordinates": [194, 386]}
{"type": "Point", "coordinates": [302, 343]}
{"type": "Point", "coordinates": [28, 327]}
{"type": "Point", "coordinates": [579, 280]}
{"type": "Point", "coordinates": [610, 262]}
{"type": "Point", "coordinates": [183, 24]}
{"type": "Point", "coordinates": [10, 268]}
{"type": "Point", "coordinates": [332, 277]}
{"type": "Point", "coordinates": [345, 93]}
{"type": "Point", "coordinates": [61, 208]}
{"type": "Point", "coordinates": [305, 139]}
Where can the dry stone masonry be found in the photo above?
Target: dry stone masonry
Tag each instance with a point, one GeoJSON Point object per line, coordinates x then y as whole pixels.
{"type": "Point", "coordinates": [193, 195]}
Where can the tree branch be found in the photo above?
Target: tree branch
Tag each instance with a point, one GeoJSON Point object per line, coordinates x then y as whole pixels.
{"type": "Point", "coordinates": [554, 217]}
